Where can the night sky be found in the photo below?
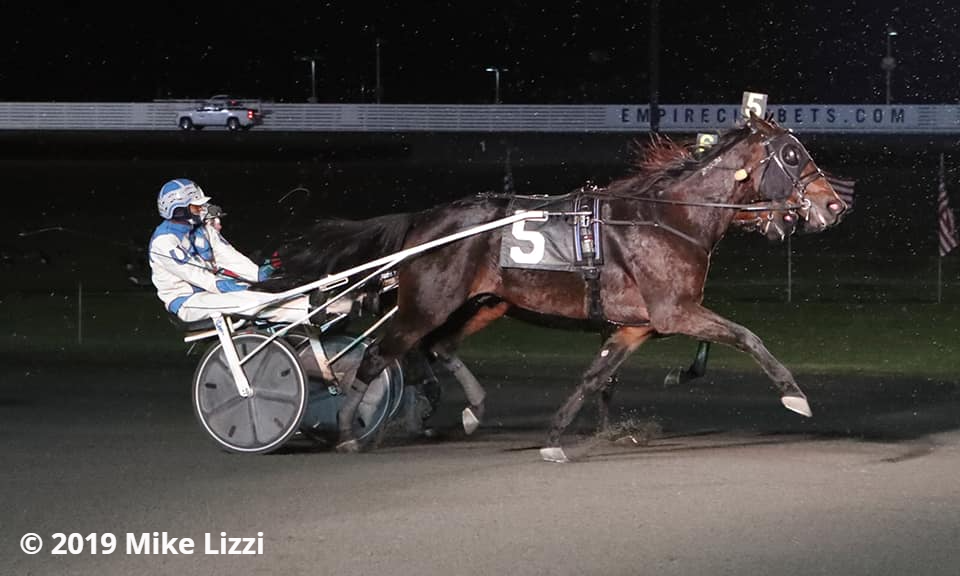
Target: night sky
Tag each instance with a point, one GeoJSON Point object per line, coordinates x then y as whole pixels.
{"type": "Point", "coordinates": [556, 52]}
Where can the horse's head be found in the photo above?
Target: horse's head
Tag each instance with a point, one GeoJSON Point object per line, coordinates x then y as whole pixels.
{"type": "Point", "coordinates": [786, 174]}
{"type": "Point", "coordinates": [782, 219]}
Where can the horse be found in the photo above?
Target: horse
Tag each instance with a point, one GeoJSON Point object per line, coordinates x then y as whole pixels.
{"type": "Point", "coordinates": [661, 226]}
{"type": "Point", "coordinates": [774, 220]}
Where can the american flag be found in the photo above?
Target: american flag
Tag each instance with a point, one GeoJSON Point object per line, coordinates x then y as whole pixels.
{"type": "Point", "coordinates": [947, 229]}
{"type": "Point", "coordinates": [844, 189]}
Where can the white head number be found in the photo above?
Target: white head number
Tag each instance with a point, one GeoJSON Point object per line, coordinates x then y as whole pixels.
{"type": "Point", "coordinates": [753, 102]}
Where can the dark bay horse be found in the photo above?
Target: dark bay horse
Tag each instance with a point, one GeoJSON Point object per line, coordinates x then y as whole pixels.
{"type": "Point", "coordinates": [776, 220]}
{"type": "Point", "coordinates": [661, 226]}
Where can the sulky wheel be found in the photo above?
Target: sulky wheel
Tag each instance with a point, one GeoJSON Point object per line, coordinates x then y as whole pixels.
{"type": "Point", "coordinates": [379, 404]}
{"type": "Point", "coordinates": [263, 421]}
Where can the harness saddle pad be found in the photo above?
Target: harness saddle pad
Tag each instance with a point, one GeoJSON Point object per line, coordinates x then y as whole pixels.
{"type": "Point", "coordinates": [556, 243]}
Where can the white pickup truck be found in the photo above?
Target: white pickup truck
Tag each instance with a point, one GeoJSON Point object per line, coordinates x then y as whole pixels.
{"type": "Point", "coordinates": [221, 110]}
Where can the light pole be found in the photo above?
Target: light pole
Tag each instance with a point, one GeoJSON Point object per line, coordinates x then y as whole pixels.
{"type": "Point", "coordinates": [889, 62]}
{"type": "Point", "coordinates": [312, 59]}
{"type": "Point", "coordinates": [496, 82]}
{"type": "Point", "coordinates": [379, 90]}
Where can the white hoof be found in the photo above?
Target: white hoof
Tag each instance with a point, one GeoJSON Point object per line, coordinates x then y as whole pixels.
{"type": "Point", "coordinates": [348, 447]}
{"type": "Point", "coordinates": [672, 378]}
{"type": "Point", "coordinates": [797, 404]}
{"type": "Point", "coordinates": [470, 421]}
{"type": "Point", "coordinates": [553, 454]}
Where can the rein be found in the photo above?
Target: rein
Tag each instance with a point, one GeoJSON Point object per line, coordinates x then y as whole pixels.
{"type": "Point", "coordinates": [767, 206]}
{"type": "Point", "coordinates": [592, 190]}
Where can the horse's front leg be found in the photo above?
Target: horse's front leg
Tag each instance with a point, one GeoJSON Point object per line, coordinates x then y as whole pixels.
{"type": "Point", "coordinates": [696, 369]}
{"type": "Point", "coordinates": [606, 392]}
{"type": "Point", "coordinates": [612, 354]}
{"type": "Point", "coordinates": [698, 322]}
{"type": "Point", "coordinates": [604, 402]}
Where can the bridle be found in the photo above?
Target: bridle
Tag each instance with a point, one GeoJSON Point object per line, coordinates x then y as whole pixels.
{"type": "Point", "coordinates": [791, 158]}
{"type": "Point", "coordinates": [784, 153]}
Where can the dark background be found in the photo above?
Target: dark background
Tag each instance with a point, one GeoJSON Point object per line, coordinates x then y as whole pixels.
{"type": "Point", "coordinates": [101, 187]}
{"type": "Point", "coordinates": [94, 397]}
{"type": "Point", "coordinates": [557, 52]}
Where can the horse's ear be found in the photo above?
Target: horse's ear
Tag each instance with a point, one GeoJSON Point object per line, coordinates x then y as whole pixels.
{"type": "Point", "coordinates": [764, 126]}
{"type": "Point", "coordinates": [771, 123]}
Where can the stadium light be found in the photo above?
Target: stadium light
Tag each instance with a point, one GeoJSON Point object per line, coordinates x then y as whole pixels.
{"type": "Point", "coordinates": [889, 62]}
{"type": "Point", "coordinates": [496, 82]}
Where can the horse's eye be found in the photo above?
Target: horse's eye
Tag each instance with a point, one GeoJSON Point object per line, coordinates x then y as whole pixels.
{"type": "Point", "coordinates": [790, 155]}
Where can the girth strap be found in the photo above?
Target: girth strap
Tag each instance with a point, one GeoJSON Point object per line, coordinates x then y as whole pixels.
{"type": "Point", "coordinates": [589, 251]}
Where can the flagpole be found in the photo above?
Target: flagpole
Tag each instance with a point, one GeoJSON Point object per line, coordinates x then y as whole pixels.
{"type": "Point", "coordinates": [939, 256]}
{"type": "Point", "coordinates": [940, 189]}
{"type": "Point", "coordinates": [789, 270]}
{"type": "Point", "coordinates": [939, 278]}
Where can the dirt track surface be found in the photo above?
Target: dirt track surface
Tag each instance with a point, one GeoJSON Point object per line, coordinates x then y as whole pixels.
{"type": "Point", "coordinates": [734, 484]}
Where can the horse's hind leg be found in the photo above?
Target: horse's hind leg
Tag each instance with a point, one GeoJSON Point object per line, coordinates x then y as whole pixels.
{"type": "Point", "coordinates": [421, 387]}
{"type": "Point", "coordinates": [472, 389]}
{"type": "Point", "coordinates": [441, 347]}
{"type": "Point", "coordinates": [612, 354]}
{"type": "Point", "coordinates": [400, 336]}
{"type": "Point", "coordinates": [394, 344]}
{"type": "Point", "coordinates": [426, 298]}
{"type": "Point", "coordinates": [696, 321]}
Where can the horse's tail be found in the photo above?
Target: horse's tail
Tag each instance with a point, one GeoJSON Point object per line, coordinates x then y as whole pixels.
{"type": "Point", "coordinates": [335, 245]}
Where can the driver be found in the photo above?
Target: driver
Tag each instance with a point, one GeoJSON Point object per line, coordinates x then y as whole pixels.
{"type": "Point", "coordinates": [197, 272]}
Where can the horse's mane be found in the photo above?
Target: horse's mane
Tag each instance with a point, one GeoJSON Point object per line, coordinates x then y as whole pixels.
{"type": "Point", "coordinates": [662, 161]}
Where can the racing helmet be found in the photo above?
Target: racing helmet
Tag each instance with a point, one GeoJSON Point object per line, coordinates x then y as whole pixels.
{"type": "Point", "coordinates": [179, 193]}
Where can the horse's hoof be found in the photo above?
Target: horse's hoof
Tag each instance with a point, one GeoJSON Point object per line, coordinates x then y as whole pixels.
{"type": "Point", "coordinates": [470, 421]}
{"type": "Point", "coordinates": [348, 447]}
{"type": "Point", "coordinates": [672, 378]}
{"type": "Point", "coordinates": [554, 454]}
{"type": "Point", "coordinates": [797, 404]}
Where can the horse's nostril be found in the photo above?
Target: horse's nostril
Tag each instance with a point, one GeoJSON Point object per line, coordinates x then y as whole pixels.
{"type": "Point", "coordinates": [835, 207]}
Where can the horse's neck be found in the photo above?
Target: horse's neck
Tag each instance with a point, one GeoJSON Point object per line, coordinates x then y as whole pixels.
{"type": "Point", "coordinates": [715, 182]}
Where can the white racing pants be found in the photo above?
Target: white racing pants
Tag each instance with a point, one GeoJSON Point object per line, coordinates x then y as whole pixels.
{"type": "Point", "coordinates": [202, 305]}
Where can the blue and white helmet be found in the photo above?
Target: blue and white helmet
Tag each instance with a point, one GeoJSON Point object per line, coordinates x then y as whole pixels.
{"type": "Point", "coordinates": [179, 193]}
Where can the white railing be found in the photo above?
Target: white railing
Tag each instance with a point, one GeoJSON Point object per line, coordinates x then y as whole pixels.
{"type": "Point", "coordinates": [689, 118]}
